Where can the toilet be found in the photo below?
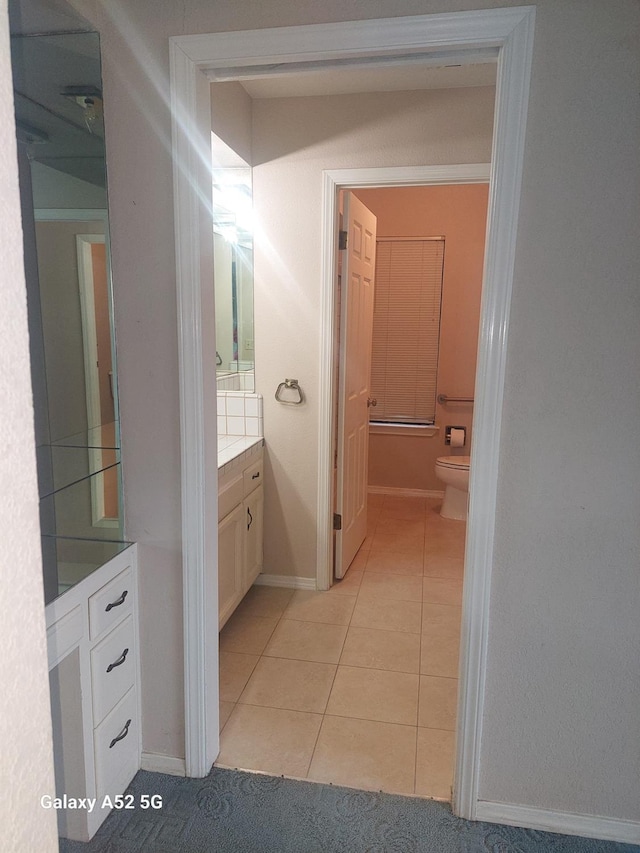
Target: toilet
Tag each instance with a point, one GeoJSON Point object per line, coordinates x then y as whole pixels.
{"type": "Point", "coordinates": [454, 473]}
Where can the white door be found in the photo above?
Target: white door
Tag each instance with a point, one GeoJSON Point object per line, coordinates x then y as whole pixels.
{"type": "Point", "coordinates": [356, 324]}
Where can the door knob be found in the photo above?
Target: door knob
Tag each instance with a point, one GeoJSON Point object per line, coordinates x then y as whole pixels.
{"type": "Point", "coordinates": [371, 401]}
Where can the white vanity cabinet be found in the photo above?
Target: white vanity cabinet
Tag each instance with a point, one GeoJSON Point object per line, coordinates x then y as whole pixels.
{"type": "Point", "coordinates": [92, 639]}
{"type": "Point", "coordinates": [230, 584]}
{"type": "Point", "coordinates": [240, 525]}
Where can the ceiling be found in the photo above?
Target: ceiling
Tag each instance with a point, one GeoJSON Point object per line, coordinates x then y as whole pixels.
{"type": "Point", "coordinates": [377, 78]}
{"type": "Point", "coordinates": [56, 127]}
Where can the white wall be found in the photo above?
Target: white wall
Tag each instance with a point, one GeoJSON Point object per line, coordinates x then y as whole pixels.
{"type": "Point", "coordinates": [294, 139]}
{"type": "Point", "coordinates": [27, 752]}
{"type": "Point", "coordinates": [231, 121]}
{"type": "Point", "coordinates": [53, 189]}
{"type": "Point", "coordinates": [563, 691]}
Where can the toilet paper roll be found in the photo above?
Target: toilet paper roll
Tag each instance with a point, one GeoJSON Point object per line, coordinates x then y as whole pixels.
{"type": "Point", "coordinates": [457, 437]}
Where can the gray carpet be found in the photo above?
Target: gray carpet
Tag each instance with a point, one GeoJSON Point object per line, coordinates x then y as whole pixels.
{"type": "Point", "coordinates": [234, 812]}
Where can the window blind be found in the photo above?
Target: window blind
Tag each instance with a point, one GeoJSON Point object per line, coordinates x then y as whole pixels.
{"type": "Point", "coordinates": [406, 329]}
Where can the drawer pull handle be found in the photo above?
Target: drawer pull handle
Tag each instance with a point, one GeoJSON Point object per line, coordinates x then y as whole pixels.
{"type": "Point", "coordinates": [123, 734]}
{"type": "Point", "coordinates": [250, 518]}
{"type": "Point", "coordinates": [118, 602]}
{"type": "Point", "coordinates": [118, 662]}
{"type": "Point", "coordinates": [255, 476]}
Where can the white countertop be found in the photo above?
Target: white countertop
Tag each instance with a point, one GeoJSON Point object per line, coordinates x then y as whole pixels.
{"type": "Point", "coordinates": [230, 446]}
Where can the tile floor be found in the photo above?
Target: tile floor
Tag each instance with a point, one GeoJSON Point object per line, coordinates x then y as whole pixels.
{"type": "Point", "coordinates": [355, 686]}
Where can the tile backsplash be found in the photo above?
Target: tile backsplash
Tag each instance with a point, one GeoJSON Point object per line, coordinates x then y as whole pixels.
{"type": "Point", "coordinates": [239, 413]}
{"type": "Point", "coordinates": [242, 381]}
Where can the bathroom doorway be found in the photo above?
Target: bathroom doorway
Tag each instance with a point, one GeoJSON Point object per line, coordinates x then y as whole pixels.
{"type": "Point", "coordinates": [505, 33]}
{"type": "Point", "coordinates": [402, 455]}
{"type": "Point", "coordinates": [407, 575]}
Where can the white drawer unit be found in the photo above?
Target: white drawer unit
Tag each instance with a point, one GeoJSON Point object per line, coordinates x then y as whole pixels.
{"type": "Point", "coordinates": [92, 634]}
{"type": "Point", "coordinates": [240, 530]}
{"type": "Point", "coordinates": [230, 574]}
{"type": "Point", "coordinates": [113, 668]}
{"type": "Point", "coordinates": [230, 496]}
{"type": "Point", "coordinates": [253, 476]}
{"type": "Point", "coordinates": [115, 759]}
{"type": "Point", "coordinates": [110, 604]}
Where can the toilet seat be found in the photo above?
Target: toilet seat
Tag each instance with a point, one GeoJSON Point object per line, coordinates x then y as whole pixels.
{"type": "Point", "coordinates": [459, 463]}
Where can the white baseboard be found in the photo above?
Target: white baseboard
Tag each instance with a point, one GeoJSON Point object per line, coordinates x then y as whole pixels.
{"type": "Point", "coordinates": [163, 764]}
{"type": "Point", "coordinates": [405, 493]}
{"type": "Point", "coordinates": [288, 581]}
{"type": "Point", "coordinates": [588, 826]}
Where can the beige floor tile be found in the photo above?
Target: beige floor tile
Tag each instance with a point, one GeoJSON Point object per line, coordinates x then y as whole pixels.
{"type": "Point", "coordinates": [225, 712]}
{"type": "Point", "coordinates": [366, 545]}
{"type": "Point", "coordinates": [433, 519]}
{"type": "Point", "coordinates": [438, 699]}
{"type": "Point", "coordinates": [374, 694]}
{"type": "Point", "coordinates": [381, 650]}
{"type": "Point", "coordinates": [395, 506]}
{"type": "Point", "coordinates": [359, 562]}
{"type": "Point", "coordinates": [395, 563]}
{"type": "Point", "coordinates": [349, 585]}
{"type": "Point", "coordinates": [372, 523]}
{"type": "Point", "coordinates": [441, 536]}
{"type": "Point", "coordinates": [442, 566]}
{"type": "Point", "coordinates": [246, 634]}
{"type": "Point", "coordinates": [432, 512]}
{"type": "Point", "coordinates": [396, 587]}
{"type": "Point", "coordinates": [393, 624]}
{"type": "Point", "coordinates": [410, 527]}
{"type": "Point", "coordinates": [266, 601]}
{"type": "Point", "coordinates": [441, 619]}
{"type": "Point", "coordinates": [440, 646]}
{"type": "Point", "coordinates": [269, 739]}
{"type": "Point", "coordinates": [235, 671]}
{"type": "Point", "coordinates": [443, 547]}
{"type": "Point", "coordinates": [399, 542]}
{"type": "Point", "coordinates": [307, 641]}
{"type": "Point", "coordinates": [442, 591]}
{"type": "Point", "coordinates": [294, 684]}
{"type": "Point", "coordinates": [364, 754]}
{"type": "Point", "coordinates": [387, 615]}
{"type": "Point", "coordinates": [434, 763]}
{"type": "Point", "coordinates": [308, 606]}
{"type": "Point", "coordinates": [440, 656]}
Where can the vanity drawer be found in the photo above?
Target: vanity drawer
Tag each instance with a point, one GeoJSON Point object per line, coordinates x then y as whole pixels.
{"type": "Point", "coordinates": [113, 669]}
{"type": "Point", "coordinates": [110, 604]}
{"type": "Point", "coordinates": [115, 744]}
{"type": "Point", "coordinates": [253, 476]}
{"type": "Point", "coordinates": [229, 497]}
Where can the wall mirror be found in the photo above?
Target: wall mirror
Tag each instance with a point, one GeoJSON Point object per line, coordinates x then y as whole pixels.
{"type": "Point", "coordinates": [233, 277]}
{"type": "Point", "coordinates": [61, 150]}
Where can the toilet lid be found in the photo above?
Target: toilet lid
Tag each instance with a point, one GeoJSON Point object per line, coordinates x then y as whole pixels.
{"type": "Point", "coordinates": [460, 462]}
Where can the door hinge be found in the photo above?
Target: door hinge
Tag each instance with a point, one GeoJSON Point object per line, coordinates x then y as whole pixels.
{"type": "Point", "coordinates": [342, 240]}
{"type": "Point", "coordinates": [337, 521]}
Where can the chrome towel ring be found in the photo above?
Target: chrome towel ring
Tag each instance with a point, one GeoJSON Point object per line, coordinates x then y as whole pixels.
{"type": "Point", "coordinates": [290, 383]}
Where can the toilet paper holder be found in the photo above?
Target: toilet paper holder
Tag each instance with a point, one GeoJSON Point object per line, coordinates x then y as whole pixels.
{"type": "Point", "coordinates": [447, 433]}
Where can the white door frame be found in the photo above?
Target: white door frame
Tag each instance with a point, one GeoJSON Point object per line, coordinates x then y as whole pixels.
{"type": "Point", "coordinates": [510, 32]}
